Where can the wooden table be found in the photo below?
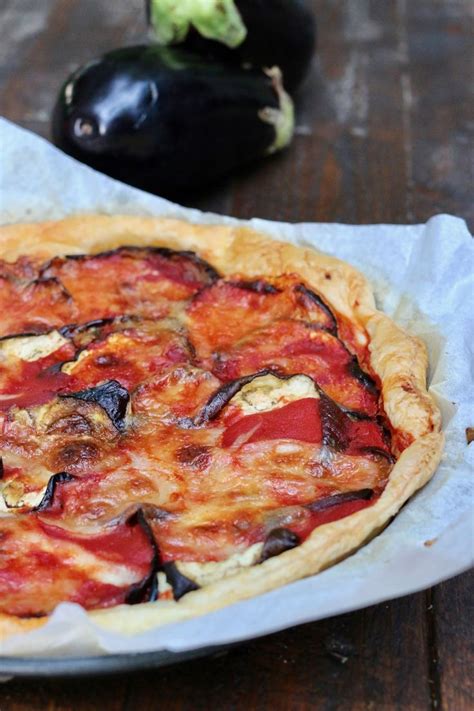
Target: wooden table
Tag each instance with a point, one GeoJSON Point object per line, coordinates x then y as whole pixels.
{"type": "Point", "coordinates": [382, 136]}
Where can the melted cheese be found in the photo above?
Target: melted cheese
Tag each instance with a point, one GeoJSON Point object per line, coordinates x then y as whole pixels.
{"type": "Point", "coordinates": [31, 348]}
{"type": "Point", "coordinates": [269, 392]}
{"type": "Point", "coordinates": [15, 497]}
{"type": "Point", "coordinates": [116, 342]}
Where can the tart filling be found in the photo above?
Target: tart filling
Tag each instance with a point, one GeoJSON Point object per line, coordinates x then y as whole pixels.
{"type": "Point", "coordinates": [164, 428]}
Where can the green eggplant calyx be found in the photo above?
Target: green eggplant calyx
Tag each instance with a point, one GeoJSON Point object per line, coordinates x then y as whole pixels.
{"type": "Point", "coordinates": [217, 20]}
{"type": "Point", "coordinates": [282, 118]}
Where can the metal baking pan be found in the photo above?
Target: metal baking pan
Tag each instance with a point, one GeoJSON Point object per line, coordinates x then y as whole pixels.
{"type": "Point", "coordinates": [37, 667]}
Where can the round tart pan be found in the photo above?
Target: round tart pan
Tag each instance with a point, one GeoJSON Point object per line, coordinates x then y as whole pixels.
{"type": "Point", "coordinates": [38, 667]}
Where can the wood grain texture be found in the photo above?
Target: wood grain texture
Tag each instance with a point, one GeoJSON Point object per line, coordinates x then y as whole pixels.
{"type": "Point", "coordinates": [356, 661]}
{"type": "Point", "coordinates": [384, 134]}
{"type": "Point", "coordinates": [451, 663]}
{"type": "Point", "coordinates": [384, 129]}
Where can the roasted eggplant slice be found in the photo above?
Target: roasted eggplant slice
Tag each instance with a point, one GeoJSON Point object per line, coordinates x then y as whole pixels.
{"type": "Point", "coordinates": [178, 265]}
{"type": "Point", "coordinates": [257, 32]}
{"type": "Point", "coordinates": [111, 396]}
{"type": "Point", "coordinates": [130, 353]}
{"type": "Point", "coordinates": [221, 397]}
{"type": "Point", "coordinates": [167, 120]}
{"type": "Point", "coordinates": [225, 313]}
{"type": "Point", "coordinates": [278, 406]}
{"type": "Point", "coordinates": [146, 282]}
{"type": "Point", "coordinates": [35, 307]}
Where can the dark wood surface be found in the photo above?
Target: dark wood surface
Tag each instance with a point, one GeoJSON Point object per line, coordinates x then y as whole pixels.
{"type": "Point", "coordinates": [384, 134]}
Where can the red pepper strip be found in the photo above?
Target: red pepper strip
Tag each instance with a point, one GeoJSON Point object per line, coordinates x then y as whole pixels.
{"type": "Point", "coordinates": [298, 420]}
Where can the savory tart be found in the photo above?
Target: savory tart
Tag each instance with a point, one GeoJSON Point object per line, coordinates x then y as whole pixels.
{"type": "Point", "coordinates": [192, 415]}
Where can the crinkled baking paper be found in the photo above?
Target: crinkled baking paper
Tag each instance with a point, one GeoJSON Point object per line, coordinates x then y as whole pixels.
{"type": "Point", "coordinates": [423, 278]}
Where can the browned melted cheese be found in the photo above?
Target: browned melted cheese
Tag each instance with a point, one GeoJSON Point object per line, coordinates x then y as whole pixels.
{"type": "Point", "coordinates": [154, 414]}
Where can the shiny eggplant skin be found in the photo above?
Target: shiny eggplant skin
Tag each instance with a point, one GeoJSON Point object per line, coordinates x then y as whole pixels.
{"type": "Point", "coordinates": [274, 32]}
{"type": "Point", "coordinates": [168, 121]}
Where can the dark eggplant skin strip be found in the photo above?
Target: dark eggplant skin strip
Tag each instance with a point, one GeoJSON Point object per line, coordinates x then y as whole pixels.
{"type": "Point", "coordinates": [222, 396]}
{"type": "Point", "coordinates": [111, 396]}
{"type": "Point", "coordinates": [329, 501]}
{"type": "Point", "coordinates": [278, 541]}
{"type": "Point", "coordinates": [386, 433]}
{"type": "Point", "coordinates": [26, 334]}
{"type": "Point", "coordinates": [179, 582]}
{"type": "Point", "coordinates": [155, 513]}
{"type": "Point", "coordinates": [333, 424]}
{"type": "Point", "coordinates": [57, 367]}
{"type": "Point", "coordinates": [53, 483]}
{"type": "Point", "coordinates": [259, 286]}
{"type": "Point", "coordinates": [147, 589]}
{"type": "Point", "coordinates": [301, 289]}
{"type": "Point", "coordinates": [333, 418]}
{"type": "Point", "coordinates": [363, 377]}
{"type": "Point", "coordinates": [70, 330]}
{"type": "Point", "coordinates": [172, 254]}
{"type": "Point", "coordinates": [1, 468]}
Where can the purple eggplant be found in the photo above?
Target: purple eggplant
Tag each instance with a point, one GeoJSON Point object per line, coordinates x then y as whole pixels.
{"type": "Point", "coordinates": [259, 33]}
{"type": "Point", "coordinates": [167, 120]}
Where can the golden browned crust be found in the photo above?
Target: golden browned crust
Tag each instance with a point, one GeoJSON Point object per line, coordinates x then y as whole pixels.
{"type": "Point", "coordinates": [398, 359]}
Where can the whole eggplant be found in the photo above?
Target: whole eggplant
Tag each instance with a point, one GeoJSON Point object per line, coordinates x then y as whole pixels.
{"type": "Point", "coordinates": [261, 33]}
{"type": "Point", "coordinates": [168, 121]}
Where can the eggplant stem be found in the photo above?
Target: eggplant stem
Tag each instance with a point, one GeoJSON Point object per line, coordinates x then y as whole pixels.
{"type": "Point", "coordinates": [217, 20]}
{"type": "Point", "coordinates": [283, 118]}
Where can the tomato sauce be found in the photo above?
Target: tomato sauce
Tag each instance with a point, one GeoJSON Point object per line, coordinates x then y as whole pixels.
{"type": "Point", "coordinates": [334, 513]}
{"type": "Point", "coordinates": [38, 381]}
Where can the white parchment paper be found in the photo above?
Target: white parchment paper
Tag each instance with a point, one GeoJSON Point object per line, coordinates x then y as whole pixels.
{"type": "Point", "coordinates": [423, 278]}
